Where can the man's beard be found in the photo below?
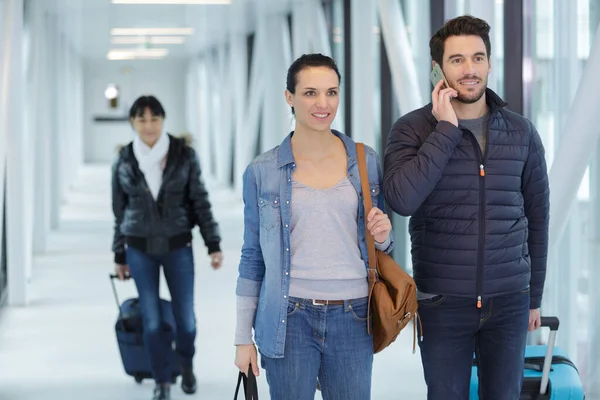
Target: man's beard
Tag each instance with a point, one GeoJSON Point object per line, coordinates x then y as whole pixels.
{"type": "Point", "coordinates": [471, 98]}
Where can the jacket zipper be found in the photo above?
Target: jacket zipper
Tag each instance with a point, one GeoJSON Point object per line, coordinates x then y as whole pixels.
{"type": "Point", "coordinates": [480, 257]}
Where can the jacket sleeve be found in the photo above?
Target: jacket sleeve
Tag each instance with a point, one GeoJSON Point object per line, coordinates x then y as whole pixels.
{"type": "Point", "coordinates": [119, 202]}
{"type": "Point", "coordinates": [252, 263]}
{"type": "Point", "coordinates": [200, 205]}
{"type": "Point", "coordinates": [536, 196]}
{"type": "Point", "coordinates": [412, 170]}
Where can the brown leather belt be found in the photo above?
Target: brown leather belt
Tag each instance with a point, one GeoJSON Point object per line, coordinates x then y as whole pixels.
{"type": "Point", "coordinates": [328, 302]}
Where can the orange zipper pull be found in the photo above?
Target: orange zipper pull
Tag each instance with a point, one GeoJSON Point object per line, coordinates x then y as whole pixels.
{"type": "Point", "coordinates": [478, 301]}
{"type": "Point", "coordinates": [481, 170]}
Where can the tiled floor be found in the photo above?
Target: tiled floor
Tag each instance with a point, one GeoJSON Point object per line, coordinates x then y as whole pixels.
{"type": "Point", "coordinates": [62, 346]}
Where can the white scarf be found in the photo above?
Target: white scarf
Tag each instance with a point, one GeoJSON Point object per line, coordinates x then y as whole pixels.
{"type": "Point", "coordinates": [151, 160]}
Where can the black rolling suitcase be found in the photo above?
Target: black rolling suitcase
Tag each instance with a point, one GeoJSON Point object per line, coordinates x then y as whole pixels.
{"type": "Point", "coordinates": [129, 330]}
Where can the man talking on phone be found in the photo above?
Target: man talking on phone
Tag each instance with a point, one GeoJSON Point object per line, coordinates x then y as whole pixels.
{"type": "Point", "coordinates": [472, 176]}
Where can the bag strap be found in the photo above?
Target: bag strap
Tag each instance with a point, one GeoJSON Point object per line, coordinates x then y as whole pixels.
{"type": "Point", "coordinates": [368, 205]}
{"type": "Point", "coordinates": [250, 385]}
{"type": "Point", "coordinates": [366, 195]}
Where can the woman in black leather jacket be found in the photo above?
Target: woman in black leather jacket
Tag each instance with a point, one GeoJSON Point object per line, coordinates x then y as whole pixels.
{"type": "Point", "coordinates": [158, 197]}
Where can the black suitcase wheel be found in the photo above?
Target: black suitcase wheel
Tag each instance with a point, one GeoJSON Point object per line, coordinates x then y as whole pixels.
{"type": "Point", "coordinates": [138, 378]}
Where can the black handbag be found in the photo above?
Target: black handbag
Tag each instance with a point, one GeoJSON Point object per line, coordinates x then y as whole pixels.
{"type": "Point", "coordinates": [250, 385]}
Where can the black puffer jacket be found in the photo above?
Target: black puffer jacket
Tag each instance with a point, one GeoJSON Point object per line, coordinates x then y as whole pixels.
{"type": "Point", "coordinates": [479, 225]}
{"type": "Point", "coordinates": [161, 225]}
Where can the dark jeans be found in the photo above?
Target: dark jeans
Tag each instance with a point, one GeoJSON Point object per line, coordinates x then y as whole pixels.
{"type": "Point", "coordinates": [178, 266]}
{"type": "Point", "coordinates": [454, 328]}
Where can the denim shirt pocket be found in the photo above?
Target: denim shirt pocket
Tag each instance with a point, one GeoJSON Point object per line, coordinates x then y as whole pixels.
{"type": "Point", "coordinates": [270, 211]}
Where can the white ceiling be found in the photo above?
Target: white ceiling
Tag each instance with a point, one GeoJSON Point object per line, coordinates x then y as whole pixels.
{"type": "Point", "coordinates": [87, 23]}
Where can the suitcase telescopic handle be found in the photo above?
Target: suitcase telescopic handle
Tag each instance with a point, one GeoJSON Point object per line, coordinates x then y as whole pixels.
{"type": "Point", "coordinates": [114, 288]}
{"type": "Point", "coordinates": [552, 323]}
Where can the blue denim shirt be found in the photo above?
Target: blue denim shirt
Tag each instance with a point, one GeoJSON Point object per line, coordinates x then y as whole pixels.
{"type": "Point", "coordinates": [264, 269]}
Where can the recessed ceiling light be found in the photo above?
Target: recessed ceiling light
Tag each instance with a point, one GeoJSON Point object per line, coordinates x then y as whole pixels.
{"type": "Point", "coordinates": [150, 31]}
{"type": "Point", "coordinates": [131, 54]}
{"type": "Point", "coordinates": [150, 40]}
{"type": "Point", "coordinates": [202, 2]}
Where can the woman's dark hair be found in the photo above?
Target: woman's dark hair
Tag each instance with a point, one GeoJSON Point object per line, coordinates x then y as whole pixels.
{"type": "Point", "coordinates": [459, 26]}
{"type": "Point", "coordinates": [147, 102]}
{"type": "Point", "coordinates": [306, 61]}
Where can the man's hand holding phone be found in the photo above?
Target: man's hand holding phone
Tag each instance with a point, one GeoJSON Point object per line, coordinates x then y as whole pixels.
{"type": "Point", "coordinates": [441, 100]}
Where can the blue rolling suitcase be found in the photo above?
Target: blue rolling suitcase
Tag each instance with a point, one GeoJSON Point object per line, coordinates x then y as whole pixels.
{"type": "Point", "coordinates": [129, 330]}
{"type": "Point", "coordinates": [549, 374]}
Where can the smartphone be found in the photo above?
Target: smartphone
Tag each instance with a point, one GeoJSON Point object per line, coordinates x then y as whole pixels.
{"type": "Point", "coordinates": [437, 75]}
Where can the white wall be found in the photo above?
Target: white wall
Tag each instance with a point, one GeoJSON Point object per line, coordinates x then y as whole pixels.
{"type": "Point", "coordinates": [164, 79]}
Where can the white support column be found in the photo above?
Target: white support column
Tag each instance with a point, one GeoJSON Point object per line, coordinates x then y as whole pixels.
{"type": "Point", "coordinates": [80, 112]}
{"type": "Point", "coordinates": [593, 318]}
{"type": "Point", "coordinates": [64, 133]}
{"type": "Point", "coordinates": [216, 124]}
{"type": "Point", "coordinates": [321, 34]}
{"type": "Point", "coordinates": [277, 118]}
{"type": "Point", "coordinates": [215, 100]}
{"type": "Point", "coordinates": [363, 71]}
{"type": "Point", "coordinates": [28, 122]}
{"type": "Point", "coordinates": [572, 160]}
{"type": "Point", "coordinates": [225, 136]}
{"type": "Point", "coordinates": [239, 85]}
{"type": "Point", "coordinates": [192, 91]}
{"type": "Point", "coordinates": [13, 84]}
{"type": "Point", "coordinates": [42, 133]}
{"type": "Point", "coordinates": [301, 36]}
{"type": "Point", "coordinates": [245, 144]}
{"type": "Point", "coordinates": [54, 126]}
{"type": "Point", "coordinates": [593, 299]}
{"type": "Point", "coordinates": [309, 28]}
{"type": "Point", "coordinates": [416, 13]}
{"type": "Point", "coordinates": [567, 264]}
{"type": "Point", "coordinates": [400, 56]}
{"type": "Point", "coordinates": [204, 118]}
{"type": "Point", "coordinates": [3, 132]}
{"type": "Point", "coordinates": [567, 71]}
{"type": "Point", "coordinates": [70, 114]}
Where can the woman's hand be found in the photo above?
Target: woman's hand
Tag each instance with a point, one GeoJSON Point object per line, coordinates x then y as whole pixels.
{"type": "Point", "coordinates": [245, 355]}
{"type": "Point", "coordinates": [216, 260]}
{"type": "Point", "coordinates": [379, 225]}
{"type": "Point", "coordinates": [122, 271]}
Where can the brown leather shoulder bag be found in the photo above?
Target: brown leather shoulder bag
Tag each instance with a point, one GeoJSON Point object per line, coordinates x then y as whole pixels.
{"type": "Point", "coordinates": [392, 292]}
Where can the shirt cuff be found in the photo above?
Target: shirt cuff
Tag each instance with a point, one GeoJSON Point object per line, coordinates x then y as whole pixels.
{"type": "Point", "coordinates": [246, 310]}
{"type": "Point", "coordinates": [383, 246]}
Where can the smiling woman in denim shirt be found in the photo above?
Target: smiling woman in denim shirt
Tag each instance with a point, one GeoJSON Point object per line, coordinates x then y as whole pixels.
{"type": "Point", "coordinates": [303, 272]}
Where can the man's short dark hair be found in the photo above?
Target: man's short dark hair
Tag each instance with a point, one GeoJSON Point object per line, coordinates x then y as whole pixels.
{"type": "Point", "coordinates": [459, 26]}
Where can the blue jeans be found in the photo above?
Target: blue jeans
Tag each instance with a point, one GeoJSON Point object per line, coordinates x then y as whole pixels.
{"type": "Point", "coordinates": [178, 266]}
{"type": "Point", "coordinates": [454, 328]}
{"type": "Point", "coordinates": [329, 343]}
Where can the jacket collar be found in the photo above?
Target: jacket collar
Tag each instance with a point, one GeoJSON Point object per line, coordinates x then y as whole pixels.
{"type": "Point", "coordinates": [286, 155]}
{"type": "Point", "coordinates": [494, 102]}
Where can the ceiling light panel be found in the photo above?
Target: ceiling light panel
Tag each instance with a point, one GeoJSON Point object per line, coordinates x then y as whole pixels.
{"type": "Point", "coordinates": [130, 54]}
{"type": "Point", "coordinates": [151, 31]}
{"type": "Point", "coordinates": [185, 2]}
{"type": "Point", "coordinates": [148, 40]}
